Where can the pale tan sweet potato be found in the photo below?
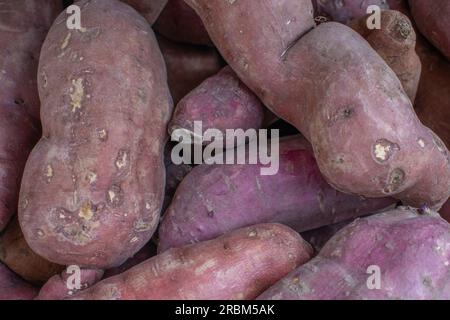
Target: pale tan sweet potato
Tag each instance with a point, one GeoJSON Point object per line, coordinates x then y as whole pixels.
{"type": "Point", "coordinates": [239, 265]}
{"type": "Point", "coordinates": [23, 26]}
{"type": "Point", "coordinates": [338, 92]}
{"type": "Point", "coordinates": [18, 256]}
{"type": "Point", "coordinates": [395, 42]}
{"type": "Point", "coordinates": [93, 186]}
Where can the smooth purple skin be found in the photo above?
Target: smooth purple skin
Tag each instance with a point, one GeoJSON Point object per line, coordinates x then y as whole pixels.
{"type": "Point", "coordinates": [215, 199]}
{"type": "Point", "coordinates": [411, 249]}
{"type": "Point", "coordinates": [345, 10]}
{"type": "Point", "coordinates": [220, 102]}
{"type": "Point", "coordinates": [14, 288]}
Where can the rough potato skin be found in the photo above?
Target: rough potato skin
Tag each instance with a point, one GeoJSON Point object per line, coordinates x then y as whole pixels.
{"type": "Point", "coordinates": [395, 42]}
{"type": "Point", "coordinates": [178, 22]}
{"type": "Point", "coordinates": [149, 9]}
{"type": "Point", "coordinates": [23, 26]}
{"type": "Point", "coordinates": [14, 288]}
{"type": "Point", "coordinates": [220, 102]}
{"type": "Point", "coordinates": [236, 266]}
{"type": "Point", "coordinates": [330, 84]}
{"type": "Point", "coordinates": [411, 249]}
{"type": "Point", "coordinates": [188, 66]}
{"type": "Point", "coordinates": [93, 186]}
{"type": "Point", "coordinates": [432, 20]}
{"type": "Point", "coordinates": [345, 10]}
{"type": "Point", "coordinates": [56, 287]}
{"type": "Point", "coordinates": [18, 256]}
{"type": "Point", "coordinates": [215, 199]}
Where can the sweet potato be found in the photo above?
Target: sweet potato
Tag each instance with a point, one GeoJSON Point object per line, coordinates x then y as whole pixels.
{"type": "Point", "coordinates": [24, 24]}
{"type": "Point", "coordinates": [215, 199]}
{"type": "Point", "coordinates": [17, 255]}
{"type": "Point", "coordinates": [395, 42]}
{"type": "Point", "coordinates": [345, 10]}
{"type": "Point", "coordinates": [432, 20]}
{"type": "Point", "coordinates": [57, 287]}
{"type": "Point", "coordinates": [93, 186]}
{"type": "Point", "coordinates": [178, 22]}
{"type": "Point", "coordinates": [370, 143]}
{"type": "Point", "coordinates": [239, 265]}
{"type": "Point", "coordinates": [221, 102]}
{"type": "Point", "coordinates": [149, 9]}
{"type": "Point", "coordinates": [188, 66]}
{"type": "Point", "coordinates": [411, 250]}
{"type": "Point", "coordinates": [14, 288]}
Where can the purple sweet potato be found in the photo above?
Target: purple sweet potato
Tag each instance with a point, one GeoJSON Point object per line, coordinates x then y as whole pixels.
{"type": "Point", "coordinates": [411, 249]}
{"type": "Point", "coordinates": [14, 288]}
{"type": "Point", "coordinates": [149, 9]}
{"type": "Point", "coordinates": [23, 26]}
{"type": "Point", "coordinates": [57, 287]}
{"type": "Point", "coordinates": [330, 84]}
{"type": "Point", "coordinates": [93, 186]}
{"type": "Point", "coordinates": [178, 22]}
{"type": "Point", "coordinates": [221, 102]}
{"type": "Point", "coordinates": [345, 10]}
{"type": "Point", "coordinates": [215, 199]}
{"type": "Point", "coordinates": [239, 265]}
{"type": "Point", "coordinates": [395, 42]}
{"type": "Point", "coordinates": [432, 19]}
{"type": "Point", "coordinates": [188, 66]}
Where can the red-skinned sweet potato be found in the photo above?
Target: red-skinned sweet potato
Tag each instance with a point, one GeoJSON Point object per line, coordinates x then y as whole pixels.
{"type": "Point", "coordinates": [411, 251]}
{"type": "Point", "coordinates": [220, 102]}
{"type": "Point", "coordinates": [178, 22]}
{"type": "Point", "coordinates": [345, 10]}
{"type": "Point", "coordinates": [215, 199]}
{"type": "Point", "coordinates": [14, 288]}
{"type": "Point", "coordinates": [93, 186]}
{"type": "Point", "coordinates": [57, 287]}
{"type": "Point", "coordinates": [188, 66]}
{"type": "Point", "coordinates": [432, 20]}
{"type": "Point", "coordinates": [395, 42]}
{"type": "Point", "coordinates": [149, 9]}
{"type": "Point", "coordinates": [238, 265]}
{"type": "Point", "coordinates": [370, 143]}
{"type": "Point", "coordinates": [18, 256]}
{"type": "Point", "coordinates": [23, 26]}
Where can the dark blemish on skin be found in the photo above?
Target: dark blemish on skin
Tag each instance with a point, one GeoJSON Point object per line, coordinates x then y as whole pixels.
{"type": "Point", "coordinates": [226, 246]}
{"type": "Point", "coordinates": [19, 101]}
{"type": "Point", "coordinates": [211, 213]}
{"type": "Point", "coordinates": [395, 180]}
{"type": "Point", "coordinates": [348, 112]}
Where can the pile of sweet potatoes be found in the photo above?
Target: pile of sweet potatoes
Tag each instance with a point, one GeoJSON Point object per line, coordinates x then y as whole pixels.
{"type": "Point", "coordinates": [95, 202]}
